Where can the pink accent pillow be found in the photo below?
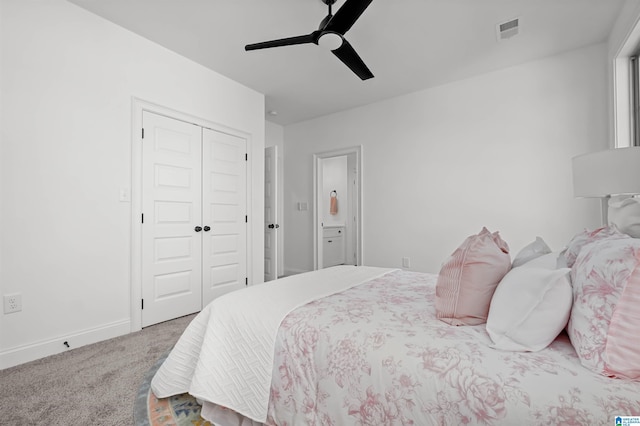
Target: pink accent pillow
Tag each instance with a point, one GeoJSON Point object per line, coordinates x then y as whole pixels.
{"type": "Point", "coordinates": [605, 317]}
{"type": "Point", "coordinates": [585, 237]}
{"type": "Point", "coordinates": [469, 277]}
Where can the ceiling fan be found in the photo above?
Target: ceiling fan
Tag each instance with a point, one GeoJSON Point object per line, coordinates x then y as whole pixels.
{"type": "Point", "coordinates": [330, 34]}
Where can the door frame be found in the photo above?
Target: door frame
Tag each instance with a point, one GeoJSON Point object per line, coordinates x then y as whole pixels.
{"type": "Point", "coordinates": [138, 106]}
{"type": "Point", "coordinates": [275, 213]}
{"type": "Point", "coordinates": [317, 191]}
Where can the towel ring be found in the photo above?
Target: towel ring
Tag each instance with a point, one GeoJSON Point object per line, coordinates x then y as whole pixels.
{"type": "Point", "coordinates": [332, 192]}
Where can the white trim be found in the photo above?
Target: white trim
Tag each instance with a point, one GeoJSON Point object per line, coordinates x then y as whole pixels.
{"type": "Point", "coordinates": [627, 43]}
{"type": "Point", "coordinates": [621, 103]}
{"type": "Point", "coordinates": [33, 351]}
{"type": "Point", "coordinates": [316, 228]}
{"type": "Point", "coordinates": [137, 108]}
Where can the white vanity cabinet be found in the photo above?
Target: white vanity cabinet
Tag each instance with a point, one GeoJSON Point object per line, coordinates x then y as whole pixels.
{"type": "Point", "coordinates": [333, 246]}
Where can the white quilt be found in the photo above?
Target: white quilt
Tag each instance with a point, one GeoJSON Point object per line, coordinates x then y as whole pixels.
{"type": "Point", "coordinates": [226, 355]}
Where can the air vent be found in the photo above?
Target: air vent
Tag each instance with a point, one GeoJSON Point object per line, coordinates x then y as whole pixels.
{"type": "Point", "coordinates": [508, 29]}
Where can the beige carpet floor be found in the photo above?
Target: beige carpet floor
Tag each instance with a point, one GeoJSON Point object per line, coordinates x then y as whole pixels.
{"type": "Point", "coordinates": [92, 385]}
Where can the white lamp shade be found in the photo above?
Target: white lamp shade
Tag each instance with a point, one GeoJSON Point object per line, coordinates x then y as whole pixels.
{"type": "Point", "coordinates": [609, 172]}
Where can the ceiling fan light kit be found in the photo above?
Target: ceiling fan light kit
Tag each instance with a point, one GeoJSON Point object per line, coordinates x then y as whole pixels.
{"type": "Point", "coordinates": [330, 41]}
{"type": "Point", "coordinates": [330, 35]}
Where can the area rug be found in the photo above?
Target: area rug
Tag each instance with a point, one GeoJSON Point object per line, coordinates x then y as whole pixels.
{"type": "Point", "coordinates": [179, 410]}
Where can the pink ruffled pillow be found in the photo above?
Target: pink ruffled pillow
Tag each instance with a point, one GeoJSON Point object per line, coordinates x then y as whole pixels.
{"type": "Point", "coordinates": [605, 317]}
{"type": "Point", "coordinates": [469, 277]}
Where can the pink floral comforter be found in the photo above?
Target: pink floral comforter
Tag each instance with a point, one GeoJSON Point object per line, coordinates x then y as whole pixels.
{"type": "Point", "coordinates": [376, 355]}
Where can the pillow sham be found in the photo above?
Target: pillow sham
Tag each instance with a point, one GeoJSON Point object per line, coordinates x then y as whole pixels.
{"type": "Point", "coordinates": [529, 308]}
{"type": "Point", "coordinates": [469, 277]}
{"type": "Point", "coordinates": [576, 244]}
{"type": "Point", "coordinates": [605, 319]}
{"type": "Point", "coordinates": [624, 213]}
{"type": "Point", "coordinates": [530, 252]}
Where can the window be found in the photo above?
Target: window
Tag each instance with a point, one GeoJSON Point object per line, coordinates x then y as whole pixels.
{"type": "Point", "coordinates": [635, 99]}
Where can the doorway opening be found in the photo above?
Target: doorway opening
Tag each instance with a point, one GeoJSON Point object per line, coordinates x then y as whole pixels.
{"type": "Point", "coordinates": [337, 211]}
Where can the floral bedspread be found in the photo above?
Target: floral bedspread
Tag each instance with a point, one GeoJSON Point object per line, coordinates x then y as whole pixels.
{"type": "Point", "coordinates": [376, 355]}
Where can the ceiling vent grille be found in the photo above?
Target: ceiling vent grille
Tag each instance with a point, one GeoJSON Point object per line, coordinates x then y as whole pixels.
{"type": "Point", "coordinates": [508, 29]}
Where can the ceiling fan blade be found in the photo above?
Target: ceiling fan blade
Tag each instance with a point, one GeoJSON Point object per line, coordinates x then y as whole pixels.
{"type": "Point", "coordinates": [347, 54]}
{"type": "Point", "coordinates": [347, 15]}
{"type": "Point", "coordinates": [289, 41]}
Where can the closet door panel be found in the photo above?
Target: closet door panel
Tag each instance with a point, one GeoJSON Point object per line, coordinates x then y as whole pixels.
{"type": "Point", "coordinates": [224, 209]}
{"type": "Point", "coordinates": [171, 205]}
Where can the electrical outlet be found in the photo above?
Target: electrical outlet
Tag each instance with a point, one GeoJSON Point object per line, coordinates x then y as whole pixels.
{"type": "Point", "coordinates": [406, 262]}
{"type": "Point", "coordinates": [12, 303]}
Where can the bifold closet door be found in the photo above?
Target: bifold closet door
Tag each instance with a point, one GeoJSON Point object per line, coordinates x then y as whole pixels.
{"type": "Point", "coordinates": [172, 209]}
{"type": "Point", "coordinates": [224, 211]}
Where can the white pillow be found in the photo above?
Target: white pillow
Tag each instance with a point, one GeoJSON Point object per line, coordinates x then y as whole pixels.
{"type": "Point", "coordinates": [553, 260]}
{"type": "Point", "coordinates": [624, 213]}
{"type": "Point", "coordinates": [530, 252]}
{"type": "Point", "coordinates": [529, 308]}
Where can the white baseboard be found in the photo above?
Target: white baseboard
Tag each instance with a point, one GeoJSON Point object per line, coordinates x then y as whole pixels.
{"type": "Point", "coordinates": [21, 354]}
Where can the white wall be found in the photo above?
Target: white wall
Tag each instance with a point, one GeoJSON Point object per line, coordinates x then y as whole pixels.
{"type": "Point", "coordinates": [494, 150]}
{"type": "Point", "coordinates": [274, 136]}
{"type": "Point", "coordinates": [68, 78]}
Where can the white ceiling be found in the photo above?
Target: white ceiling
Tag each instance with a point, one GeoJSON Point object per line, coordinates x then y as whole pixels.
{"type": "Point", "coordinates": [409, 45]}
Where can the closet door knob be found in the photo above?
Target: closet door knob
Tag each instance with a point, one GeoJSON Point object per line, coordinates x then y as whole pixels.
{"type": "Point", "coordinates": [277, 226]}
{"type": "Point", "coordinates": [271, 226]}
{"type": "Point", "coordinates": [207, 228]}
{"type": "Point", "coordinates": [198, 228]}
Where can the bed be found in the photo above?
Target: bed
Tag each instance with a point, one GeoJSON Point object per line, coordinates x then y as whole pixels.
{"type": "Point", "coordinates": [363, 346]}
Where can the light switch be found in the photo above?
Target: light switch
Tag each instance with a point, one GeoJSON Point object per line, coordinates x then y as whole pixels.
{"type": "Point", "coordinates": [125, 195]}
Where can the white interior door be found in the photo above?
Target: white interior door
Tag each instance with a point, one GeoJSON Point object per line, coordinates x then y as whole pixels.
{"type": "Point", "coordinates": [171, 205]}
{"type": "Point", "coordinates": [271, 226]}
{"type": "Point", "coordinates": [224, 212]}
